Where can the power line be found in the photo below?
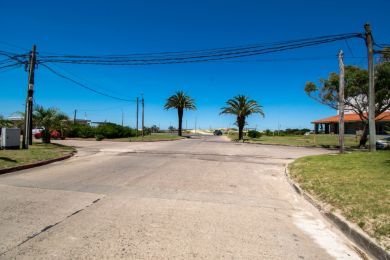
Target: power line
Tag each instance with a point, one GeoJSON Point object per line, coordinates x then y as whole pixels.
{"type": "Point", "coordinates": [330, 57]}
{"type": "Point", "coordinates": [215, 50]}
{"type": "Point", "coordinates": [77, 77]}
{"type": "Point", "coordinates": [85, 86]}
{"type": "Point", "coordinates": [349, 48]}
{"type": "Point", "coordinates": [10, 65]}
{"type": "Point", "coordinates": [198, 56]}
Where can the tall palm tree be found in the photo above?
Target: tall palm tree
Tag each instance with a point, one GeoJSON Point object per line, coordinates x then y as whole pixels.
{"type": "Point", "coordinates": [50, 119]}
{"type": "Point", "coordinates": [180, 101]}
{"type": "Point", "coordinates": [241, 106]}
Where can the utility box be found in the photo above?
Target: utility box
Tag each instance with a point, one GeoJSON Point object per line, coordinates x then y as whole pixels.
{"type": "Point", "coordinates": [10, 138]}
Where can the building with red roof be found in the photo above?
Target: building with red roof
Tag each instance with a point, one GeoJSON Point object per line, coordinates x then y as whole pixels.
{"type": "Point", "coordinates": [352, 123]}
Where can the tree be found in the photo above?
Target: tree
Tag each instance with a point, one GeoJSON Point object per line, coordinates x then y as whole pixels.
{"type": "Point", "coordinates": [4, 122]}
{"type": "Point", "coordinates": [355, 93]}
{"type": "Point", "coordinates": [242, 107]}
{"type": "Point", "coordinates": [180, 101]}
{"type": "Point", "coordinates": [50, 119]}
{"type": "Point", "coordinates": [154, 129]}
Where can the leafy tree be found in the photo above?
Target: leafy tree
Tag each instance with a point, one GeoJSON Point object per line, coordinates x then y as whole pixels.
{"type": "Point", "coordinates": [355, 93]}
{"type": "Point", "coordinates": [50, 119]}
{"type": "Point", "coordinates": [180, 101]}
{"type": "Point", "coordinates": [242, 107]}
{"type": "Point", "coordinates": [4, 122]}
{"type": "Point", "coordinates": [385, 54]}
{"type": "Point", "coordinates": [154, 129]}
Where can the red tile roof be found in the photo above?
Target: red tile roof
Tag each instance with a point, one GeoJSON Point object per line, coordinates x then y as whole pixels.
{"type": "Point", "coordinates": [385, 116]}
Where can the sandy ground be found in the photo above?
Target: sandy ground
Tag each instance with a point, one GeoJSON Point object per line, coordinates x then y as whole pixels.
{"type": "Point", "coordinates": [202, 198]}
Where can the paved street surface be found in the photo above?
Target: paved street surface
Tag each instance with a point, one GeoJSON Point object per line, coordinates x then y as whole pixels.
{"type": "Point", "coordinates": [203, 198]}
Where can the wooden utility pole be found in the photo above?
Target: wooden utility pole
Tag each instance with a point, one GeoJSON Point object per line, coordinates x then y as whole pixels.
{"type": "Point", "coordinates": [136, 124]}
{"type": "Point", "coordinates": [371, 91]}
{"type": "Point", "coordinates": [27, 134]}
{"type": "Point", "coordinates": [122, 115]}
{"type": "Point", "coordinates": [143, 114]}
{"type": "Point", "coordinates": [75, 116]}
{"type": "Point", "coordinates": [341, 101]}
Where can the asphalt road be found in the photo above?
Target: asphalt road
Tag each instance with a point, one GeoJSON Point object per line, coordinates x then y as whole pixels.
{"type": "Point", "coordinates": [203, 198]}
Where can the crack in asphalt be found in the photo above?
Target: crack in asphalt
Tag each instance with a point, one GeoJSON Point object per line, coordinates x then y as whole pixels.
{"type": "Point", "coordinates": [49, 227]}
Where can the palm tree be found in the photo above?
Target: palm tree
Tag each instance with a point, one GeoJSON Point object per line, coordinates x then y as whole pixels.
{"type": "Point", "coordinates": [241, 106]}
{"type": "Point", "coordinates": [50, 119]}
{"type": "Point", "coordinates": [180, 101]}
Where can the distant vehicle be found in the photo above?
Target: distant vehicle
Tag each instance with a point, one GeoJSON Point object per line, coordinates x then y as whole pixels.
{"type": "Point", "coordinates": [37, 130]}
{"type": "Point", "coordinates": [218, 132]}
{"type": "Point", "coordinates": [383, 143]}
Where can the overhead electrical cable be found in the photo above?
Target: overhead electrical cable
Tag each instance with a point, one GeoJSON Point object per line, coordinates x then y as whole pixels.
{"type": "Point", "coordinates": [85, 86]}
{"type": "Point", "coordinates": [193, 56]}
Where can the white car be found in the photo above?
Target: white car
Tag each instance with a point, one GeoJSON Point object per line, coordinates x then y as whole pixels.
{"type": "Point", "coordinates": [383, 143]}
{"type": "Point", "coordinates": [37, 130]}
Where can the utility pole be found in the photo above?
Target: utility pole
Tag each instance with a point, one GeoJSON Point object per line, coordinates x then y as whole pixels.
{"type": "Point", "coordinates": [75, 116]}
{"type": "Point", "coordinates": [27, 134]}
{"type": "Point", "coordinates": [341, 101]}
{"type": "Point", "coordinates": [196, 119]}
{"type": "Point", "coordinates": [122, 115]}
{"type": "Point", "coordinates": [371, 91]}
{"type": "Point", "coordinates": [136, 124]}
{"type": "Point", "coordinates": [143, 115]}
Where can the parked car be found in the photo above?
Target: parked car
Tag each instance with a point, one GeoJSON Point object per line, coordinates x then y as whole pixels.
{"type": "Point", "coordinates": [383, 143]}
{"type": "Point", "coordinates": [37, 130]}
{"type": "Point", "coordinates": [218, 132]}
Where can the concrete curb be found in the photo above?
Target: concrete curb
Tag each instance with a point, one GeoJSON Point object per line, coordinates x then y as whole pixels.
{"type": "Point", "coordinates": [354, 233]}
{"type": "Point", "coordinates": [36, 164]}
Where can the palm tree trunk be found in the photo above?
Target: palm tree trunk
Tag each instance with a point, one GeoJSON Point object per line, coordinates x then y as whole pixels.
{"type": "Point", "coordinates": [180, 115]}
{"type": "Point", "coordinates": [240, 133]}
{"type": "Point", "coordinates": [240, 124]}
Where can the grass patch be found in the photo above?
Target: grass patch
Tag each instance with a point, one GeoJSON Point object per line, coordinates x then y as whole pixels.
{"type": "Point", "coordinates": [36, 152]}
{"type": "Point", "coordinates": [358, 184]}
{"type": "Point", "coordinates": [320, 140]}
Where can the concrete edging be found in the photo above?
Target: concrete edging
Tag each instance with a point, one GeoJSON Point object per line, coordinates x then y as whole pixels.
{"type": "Point", "coordinates": [358, 236]}
{"type": "Point", "coordinates": [36, 164]}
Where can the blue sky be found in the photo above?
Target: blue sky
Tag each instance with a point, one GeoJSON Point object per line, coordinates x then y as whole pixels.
{"type": "Point", "coordinates": [121, 27]}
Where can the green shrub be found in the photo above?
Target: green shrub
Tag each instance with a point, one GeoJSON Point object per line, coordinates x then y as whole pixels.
{"type": "Point", "coordinates": [99, 137]}
{"type": "Point", "coordinates": [110, 130]}
{"type": "Point", "coordinates": [147, 131]}
{"type": "Point", "coordinates": [254, 134]}
{"type": "Point", "coordinates": [83, 131]}
{"type": "Point", "coordinates": [107, 130]}
{"type": "Point", "coordinates": [268, 132]}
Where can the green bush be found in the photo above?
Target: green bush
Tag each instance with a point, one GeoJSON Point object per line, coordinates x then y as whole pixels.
{"type": "Point", "coordinates": [268, 132]}
{"type": "Point", "coordinates": [148, 131]}
{"type": "Point", "coordinates": [110, 130]}
{"type": "Point", "coordinates": [99, 137]}
{"type": "Point", "coordinates": [83, 131]}
{"type": "Point", "coordinates": [107, 130]}
{"type": "Point", "coordinates": [254, 134]}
